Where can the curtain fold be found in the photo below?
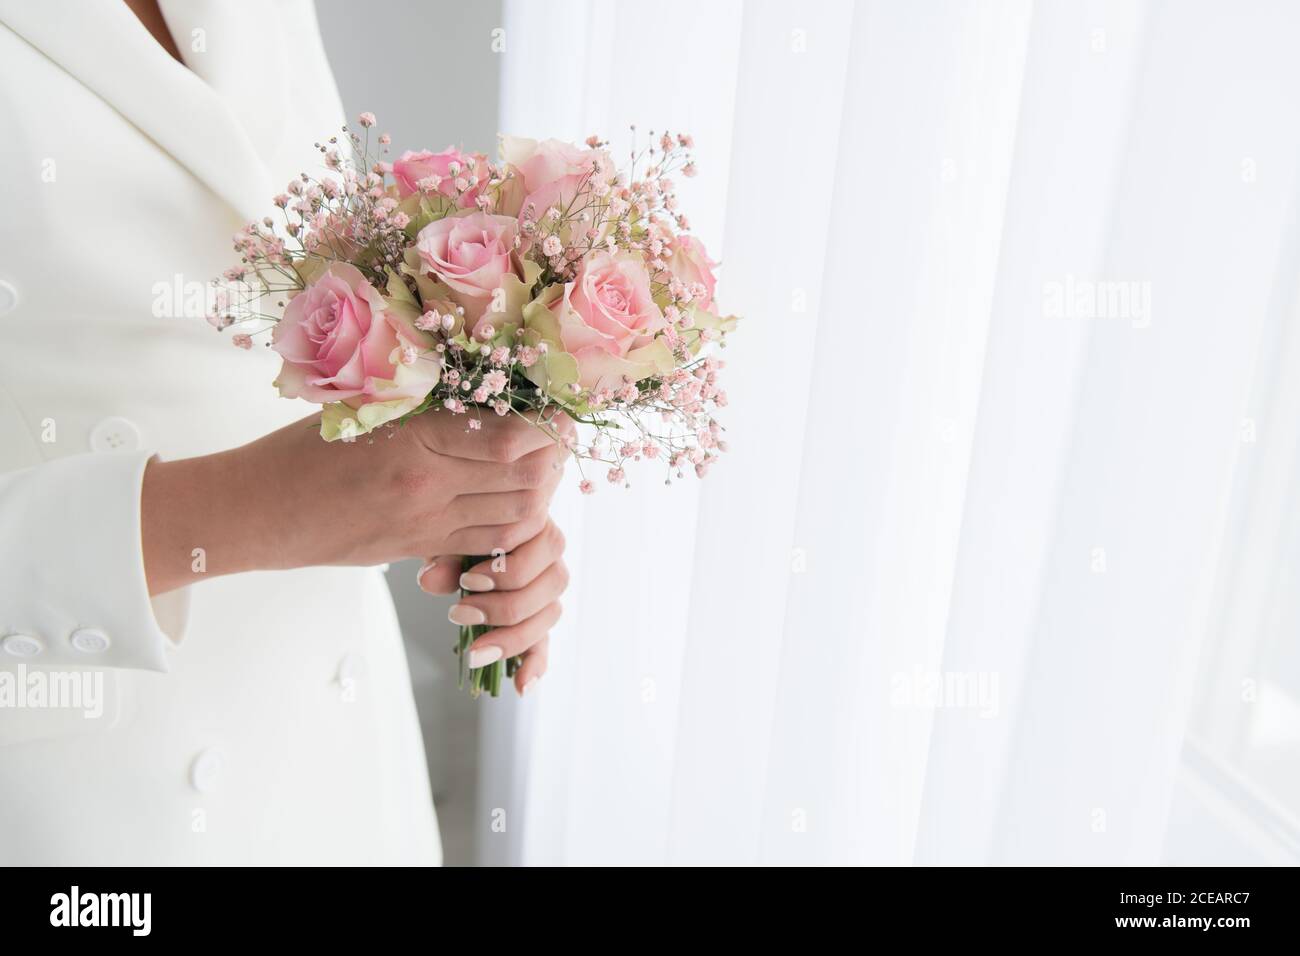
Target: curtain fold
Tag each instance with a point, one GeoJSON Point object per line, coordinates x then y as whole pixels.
{"type": "Point", "coordinates": [1005, 271]}
{"type": "Point", "coordinates": [1076, 120]}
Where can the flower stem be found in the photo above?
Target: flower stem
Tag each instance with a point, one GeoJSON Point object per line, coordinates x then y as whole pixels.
{"type": "Point", "coordinates": [480, 678]}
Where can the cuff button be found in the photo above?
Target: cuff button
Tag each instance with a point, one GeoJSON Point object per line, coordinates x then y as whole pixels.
{"type": "Point", "coordinates": [22, 645]}
{"type": "Point", "coordinates": [89, 640]}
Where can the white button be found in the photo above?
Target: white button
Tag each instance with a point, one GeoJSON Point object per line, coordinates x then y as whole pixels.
{"type": "Point", "coordinates": [8, 297]}
{"type": "Point", "coordinates": [206, 770]}
{"type": "Point", "coordinates": [115, 434]}
{"type": "Point", "coordinates": [350, 668]}
{"type": "Point", "coordinates": [89, 640]}
{"type": "Point", "coordinates": [21, 645]}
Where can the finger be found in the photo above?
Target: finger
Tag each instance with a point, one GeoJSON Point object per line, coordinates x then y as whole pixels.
{"type": "Point", "coordinates": [540, 478]}
{"type": "Point", "coordinates": [505, 642]}
{"type": "Point", "coordinates": [439, 575]}
{"type": "Point", "coordinates": [512, 571]}
{"type": "Point", "coordinates": [504, 507]}
{"type": "Point", "coordinates": [494, 539]}
{"type": "Point", "coordinates": [534, 665]}
{"type": "Point", "coordinates": [499, 438]}
{"type": "Point", "coordinates": [504, 608]}
{"type": "Point", "coordinates": [540, 468]}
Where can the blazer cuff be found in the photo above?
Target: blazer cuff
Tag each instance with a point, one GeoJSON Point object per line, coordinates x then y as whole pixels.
{"type": "Point", "coordinates": [73, 589]}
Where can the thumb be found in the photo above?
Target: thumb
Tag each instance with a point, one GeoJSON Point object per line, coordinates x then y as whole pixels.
{"type": "Point", "coordinates": [440, 575]}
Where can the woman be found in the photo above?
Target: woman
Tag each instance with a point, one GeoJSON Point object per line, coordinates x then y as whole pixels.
{"type": "Point", "coordinates": [172, 529]}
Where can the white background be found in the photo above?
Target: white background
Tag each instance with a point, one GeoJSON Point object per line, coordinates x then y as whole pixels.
{"type": "Point", "coordinates": [935, 477]}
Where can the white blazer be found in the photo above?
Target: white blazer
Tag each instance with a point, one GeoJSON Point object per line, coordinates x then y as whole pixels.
{"type": "Point", "coordinates": [257, 718]}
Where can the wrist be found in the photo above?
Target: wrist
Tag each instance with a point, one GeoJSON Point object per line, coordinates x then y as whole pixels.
{"type": "Point", "coordinates": [193, 523]}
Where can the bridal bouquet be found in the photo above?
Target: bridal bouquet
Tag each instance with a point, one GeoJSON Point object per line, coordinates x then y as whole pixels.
{"type": "Point", "coordinates": [546, 282]}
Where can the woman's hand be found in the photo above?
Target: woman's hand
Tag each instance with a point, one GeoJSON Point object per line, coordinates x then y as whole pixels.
{"type": "Point", "coordinates": [517, 593]}
{"type": "Point", "coordinates": [289, 499]}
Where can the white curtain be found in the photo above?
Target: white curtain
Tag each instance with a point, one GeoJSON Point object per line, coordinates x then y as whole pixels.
{"type": "Point", "coordinates": [1006, 272]}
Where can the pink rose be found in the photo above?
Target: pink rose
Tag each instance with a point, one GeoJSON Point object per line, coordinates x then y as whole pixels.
{"type": "Point", "coordinates": [691, 265]}
{"type": "Point", "coordinates": [606, 313]}
{"type": "Point", "coordinates": [415, 167]}
{"type": "Point", "coordinates": [339, 345]}
{"type": "Point", "coordinates": [552, 161]}
{"type": "Point", "coordinates": [552, 171]}
{"type": "Point", "coordinates": [471, 255]}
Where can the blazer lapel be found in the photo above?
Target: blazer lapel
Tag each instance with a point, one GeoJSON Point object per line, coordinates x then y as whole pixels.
{"type": "Point", "coordinates": [239, 55]}
{"type": "Point", "coordinates": [103, 45]}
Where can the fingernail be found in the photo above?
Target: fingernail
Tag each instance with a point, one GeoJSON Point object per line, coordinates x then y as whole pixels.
{"type": "Point", "coordinates": [471, 581]}
{"type": "Point", "coordinates": [466, 614]}
{"type": "Point", "coordinates": [528, 685]}
{"type": "Point", "coordinates": [419, 575]}
{"type": "Point", "coordinates": [483, 656]}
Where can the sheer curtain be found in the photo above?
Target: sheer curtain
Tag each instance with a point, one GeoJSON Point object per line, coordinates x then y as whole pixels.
{"type": "Point", "coordinates": [1007, 270]}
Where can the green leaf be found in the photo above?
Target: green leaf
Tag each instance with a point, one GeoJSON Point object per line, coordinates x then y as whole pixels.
{"type": "Point", "coordinates": [398, 290]}
{"type": "Point", "coordinates": [540, 320]}
{"type": "Point", "coordinates": [554, 372]}
{"type": "Point", "coordinates": [310, 268]}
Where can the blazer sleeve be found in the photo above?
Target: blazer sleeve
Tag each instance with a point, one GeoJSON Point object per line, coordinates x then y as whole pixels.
{"type": "Point", "coordinates": [72, 582]}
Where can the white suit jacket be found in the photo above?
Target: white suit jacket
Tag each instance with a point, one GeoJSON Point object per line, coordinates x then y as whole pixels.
{"type": "Point", "coordinates": [258, 718]}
